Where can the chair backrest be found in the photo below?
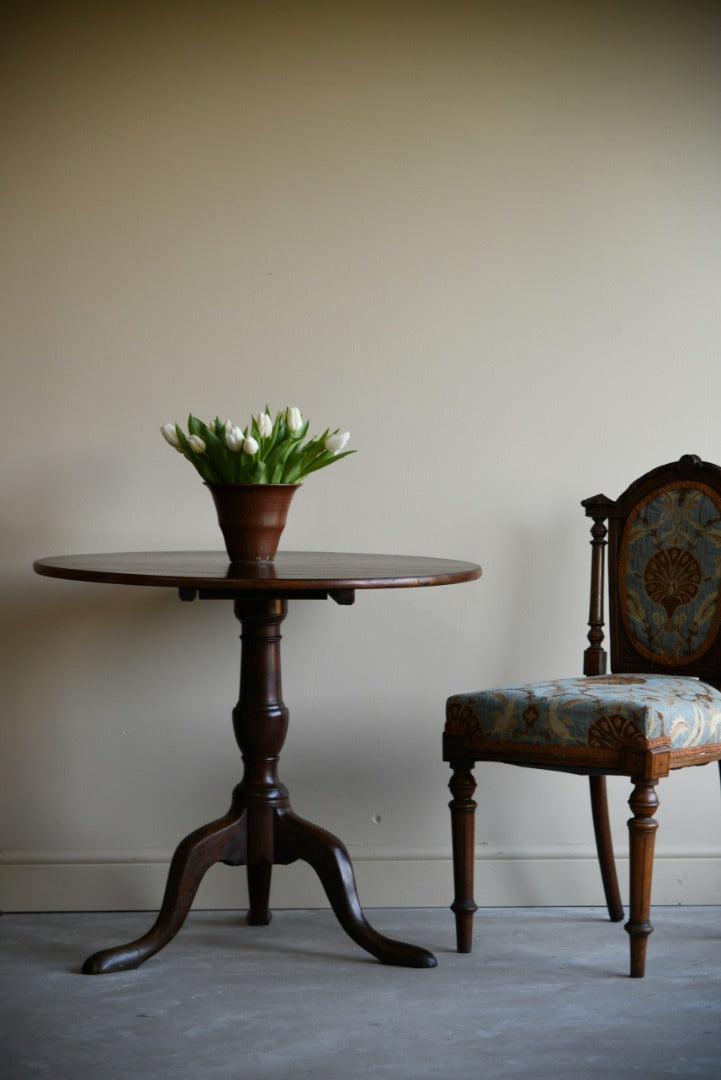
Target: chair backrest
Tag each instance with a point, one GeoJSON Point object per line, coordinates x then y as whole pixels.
{"type": "Point", "coordinates": [664, 573]}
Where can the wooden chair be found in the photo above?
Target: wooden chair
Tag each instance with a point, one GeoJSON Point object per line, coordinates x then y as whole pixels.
{"type": "Point", "coordinates": [659, 710]}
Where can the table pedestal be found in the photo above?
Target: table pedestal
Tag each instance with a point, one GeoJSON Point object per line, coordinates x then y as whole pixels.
{"type": "Point", "coordinates": [260, 830]}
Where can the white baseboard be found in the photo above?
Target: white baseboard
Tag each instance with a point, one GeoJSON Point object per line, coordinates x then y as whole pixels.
{"type": "Point", "coordinates": [510, 877]}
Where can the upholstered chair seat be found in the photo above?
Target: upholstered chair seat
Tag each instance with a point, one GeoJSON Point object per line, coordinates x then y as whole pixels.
{"type": "Point", "coordinates": [596, 719]}
{"type": "Point", "coordinates": [658, 710]}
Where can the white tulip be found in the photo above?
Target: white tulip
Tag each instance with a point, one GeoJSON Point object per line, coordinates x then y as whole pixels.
{"type": "Point", "coordinates": [170, 435]}
{"type": "Point", "coordinates": [197, 444]}
{"type": "Point", "coordinates": [234, 439]}
{"type": "Point", "coordinates": [265, 425]}
{"type": "Point", "coordinates": [293, 419]}
{"type": "Point", "coordinates": [250, 446]}
{"type": "Point", "coordinates": [337, 442]}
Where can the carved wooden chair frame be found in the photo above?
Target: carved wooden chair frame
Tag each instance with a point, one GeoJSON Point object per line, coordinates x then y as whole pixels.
{"type": "Point", "coordinates": [644, 765]}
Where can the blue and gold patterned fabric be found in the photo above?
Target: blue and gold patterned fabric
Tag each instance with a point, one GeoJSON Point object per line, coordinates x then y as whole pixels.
{"type": "Point", "coordinates": [602, 712]}
{"type": "Point", "coordinates": [670, 573]}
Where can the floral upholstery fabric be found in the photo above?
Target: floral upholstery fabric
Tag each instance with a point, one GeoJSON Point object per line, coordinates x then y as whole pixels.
{"type": "Point", "coordinates": [670, 573]}
{"type": "Point", "coordinates": [606, 712]}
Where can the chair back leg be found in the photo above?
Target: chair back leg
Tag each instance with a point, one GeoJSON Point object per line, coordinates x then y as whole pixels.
{"type": "Point", "coordinates": [604, 847]}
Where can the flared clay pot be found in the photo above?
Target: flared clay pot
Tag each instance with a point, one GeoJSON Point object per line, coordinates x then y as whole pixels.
{"type": "Point", "coordinates": [252, 518]}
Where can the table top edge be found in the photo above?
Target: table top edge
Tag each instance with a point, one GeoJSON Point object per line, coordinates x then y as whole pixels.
{"type": "Point", "coordinates": [344, 570]}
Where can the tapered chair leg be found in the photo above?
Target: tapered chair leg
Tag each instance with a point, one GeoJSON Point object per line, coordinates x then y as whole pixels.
{"type": "Point", "coordinates": [604, 847]}
{"type": "Point", "coordinates": [642, 838]}
{"type": "Point", "coordinates": [463, 808]}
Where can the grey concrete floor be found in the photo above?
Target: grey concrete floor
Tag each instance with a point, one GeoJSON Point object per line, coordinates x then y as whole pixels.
{"type": "Point", "coordinates": [545, 993]}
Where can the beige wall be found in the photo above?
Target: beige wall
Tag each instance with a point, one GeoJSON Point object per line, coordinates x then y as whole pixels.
{"type": "Point", "coordinates": [484, 237]}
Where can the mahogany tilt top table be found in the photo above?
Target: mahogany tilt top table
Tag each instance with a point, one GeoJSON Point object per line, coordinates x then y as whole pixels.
{"type": "Point", "coordinates": [260, 829]}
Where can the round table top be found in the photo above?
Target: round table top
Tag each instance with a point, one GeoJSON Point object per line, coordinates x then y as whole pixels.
{"type": "Point", "coordinates": [290, 571]}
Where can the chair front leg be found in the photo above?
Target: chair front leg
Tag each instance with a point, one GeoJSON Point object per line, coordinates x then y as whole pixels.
{"type": "Point", "coordinates": [463, 807]}
{"type": "Point", "coordinates": [642, 837]}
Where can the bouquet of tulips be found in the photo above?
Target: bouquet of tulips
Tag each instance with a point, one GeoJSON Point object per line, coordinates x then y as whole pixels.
{"type": "Point", "coordinates": [265, 452]}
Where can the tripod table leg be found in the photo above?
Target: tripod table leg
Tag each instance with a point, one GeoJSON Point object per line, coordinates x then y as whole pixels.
{"type": "Point", "coordinates": [221, 841]}
{"type": "Point", "coordinates": [299, 839]}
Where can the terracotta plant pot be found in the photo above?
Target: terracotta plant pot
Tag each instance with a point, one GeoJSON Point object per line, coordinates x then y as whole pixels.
{"type": "Point", "coordinates": [252, 518]}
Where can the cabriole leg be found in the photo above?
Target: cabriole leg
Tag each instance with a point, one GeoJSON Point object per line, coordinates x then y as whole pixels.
{"type": "Point", "coordinates": [300, 839]}
{"type": "Point", "coordinates": [223, 840]}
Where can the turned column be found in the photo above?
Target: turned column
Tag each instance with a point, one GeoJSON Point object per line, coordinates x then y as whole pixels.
{"type": "Point", "coordinates": [642, 837]}
{"type": "Point", "coordinates": [463, 809]}
{"type": "Point", "coordinates": [260, 723]}
{"type": "Point", "coordinates": [594, 658]}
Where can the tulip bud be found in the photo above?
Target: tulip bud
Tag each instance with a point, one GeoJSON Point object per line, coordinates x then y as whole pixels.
{"type": "Point", "coordinates": [293, 419]}
{"type": "Point", "coordinates": [337, 441]}
{"type": "Point", "coordinates": [170, 435]}
{"type": "Point", "coordinates": [250, 446]}
{"type": "Point", "coordinates": [234, 439]}
{"type": "Point", "coordinates": [196, 444]}
{"type": "Point", "coordinates": [265, 425]}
